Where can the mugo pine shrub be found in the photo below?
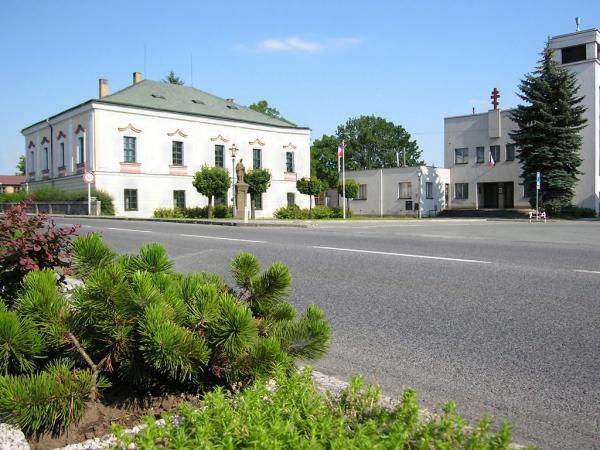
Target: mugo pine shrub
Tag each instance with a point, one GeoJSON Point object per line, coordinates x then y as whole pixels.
{"type": "Point", "coordinates": [136, 322]}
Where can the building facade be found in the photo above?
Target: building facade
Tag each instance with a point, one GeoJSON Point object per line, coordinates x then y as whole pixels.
{"type": "Point", "coordinates": [401, 191]}
{"type": "Point", "coordinates": [472, 142]}
{"type": "Point", "coordinates": [11, 183]}
{"type": "Point", "coordinates": [145, 143]}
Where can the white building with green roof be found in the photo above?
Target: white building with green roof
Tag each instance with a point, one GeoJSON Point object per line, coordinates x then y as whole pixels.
{"type": "Point", "coordinates": [144, 144]}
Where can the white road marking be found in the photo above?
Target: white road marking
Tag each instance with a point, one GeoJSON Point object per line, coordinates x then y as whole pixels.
{"type": "Point", "coordinates": [222, 238]}
{"type": "Point", "coordinates": [407, 255]}
{"type": "Point", "coordinates": [586, 271]}
{"type": "Point", "coordinates": [129, 229]}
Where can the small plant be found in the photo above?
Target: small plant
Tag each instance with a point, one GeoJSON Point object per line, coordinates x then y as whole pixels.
{"type": "Point", "coordinates": [29, 243]}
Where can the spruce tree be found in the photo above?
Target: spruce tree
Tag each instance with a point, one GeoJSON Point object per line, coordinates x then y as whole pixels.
{"type": "Point", "coordinates": [548, 136]}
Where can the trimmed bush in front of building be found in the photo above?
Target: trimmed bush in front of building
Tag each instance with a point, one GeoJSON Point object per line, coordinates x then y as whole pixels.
{"type": "Point", "coordinates": [317, 213]}
{"type": "Point", "coordinates": [219, 212]}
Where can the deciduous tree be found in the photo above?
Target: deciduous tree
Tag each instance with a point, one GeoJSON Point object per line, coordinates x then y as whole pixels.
{"type": "Point", "coordinates": [311, 187]}
{"type": "Point", "coordinates": [210, 182]}
{"type": "Point", "coordinates": [258, 181]}
{"type": "Point", "coordinates": [351, 190]}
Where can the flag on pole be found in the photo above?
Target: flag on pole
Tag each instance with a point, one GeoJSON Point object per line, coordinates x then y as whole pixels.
{"type": "Point", "coordinates": [492, 162]}
{"type": "Point", "coordinates": [340, 151]}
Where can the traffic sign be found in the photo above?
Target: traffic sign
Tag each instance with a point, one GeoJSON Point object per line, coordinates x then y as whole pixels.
{"type": "Point", "coordinates": [538, 180]}
{"type": "Point", "coordinates": [89, 178]}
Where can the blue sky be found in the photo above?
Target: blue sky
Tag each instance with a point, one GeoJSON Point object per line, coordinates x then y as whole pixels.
{"type": "Point", "coordinates": [318, 62]}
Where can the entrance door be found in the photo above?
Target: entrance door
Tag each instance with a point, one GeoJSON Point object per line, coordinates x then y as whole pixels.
{"type": "Point", "coordinates": [509, 195]}
{"type": "Point", "coordinates": [490, 195]}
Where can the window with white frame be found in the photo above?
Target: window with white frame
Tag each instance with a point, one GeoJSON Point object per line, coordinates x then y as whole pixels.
{"type": "Point", "coordinates": [61, 150]}
{"type": "Point", "coordinates": [362, 192]}
{"type": "Point", "coordinates": [46, 158]}
{"type": "Point", "coordinates": [461, 155]}
{"type": "Point", "coordinates": [404, 190]}
{"type": "Point", "coordinates": [80, 150]}
{"type": "Point", "coordinates": [177, 153]}
{"type": "Point", "coordinates": [256, 158]}
{"type": "Point", "coordinates": [291, 199]}
{"type": "Point", "coordinates": [495, 153]}
{"type": "Point", "coordinates": [130, 199]}
{"type": "Point", "coordinates": [461, 191]}
{"type": "Point", "coordinates": [31, 161]}
{"type": "Point", "coordinates": [128, 149]}
{"type": "Point", "coordinates": [289, 162]}
{"type": "Point", "coordinates": [429, 190]}
{"type": "Point", "coordinates": [179, 199]}
{"type": "Point", "coordinates": [258, 201]}
{"type": "Point", "coordinates": [219, 156]}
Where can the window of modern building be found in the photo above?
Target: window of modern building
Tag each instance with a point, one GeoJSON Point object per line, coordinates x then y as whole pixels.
{"type": "Point", "coordinates": [510, 152]}
{"type": "Point", "coordinates": [62, 154]}
{"type": "Point", "coordinates": [461, 191]}
{"type": "Point", "coordinates": [80, 150]}
{"type": "Point", "coordinates": [219, 156]}
{"type": "Point", "coordinates": [408, 205]}
{"type": "Point", "coordinates": [289, 162]}
{"type": "Point", "coordinates": [428, 190]}
{"type": "Point", "coordinates": [128, 149]}
{"type": "Point", "coordinates": [404, 190]}
{"type": "Point", "coordinates": [177, 152]}
{"type": "Point", "coordinates": [573, 54]}
{"type": "Point", "coordinates": [362, 192]}
{"type": "Point", "coordinates": [131, 199]}
{"type": "Point", "coordinates": [256, 158]}
{"type": "Point", "coordinates": [258, 203]}
{"type": "Point", "coordinates": [461, 155]}
{"type": "Point", "coordinates": [46, 158]}
{"type": "Point", "coordinates": [179, 199]}
{"type": "Point", "coordinates": [480, 154]}
{"type": "Point", "coordinates": [495, 152]}
{"type": "Point", "coordinates": [291, 199]}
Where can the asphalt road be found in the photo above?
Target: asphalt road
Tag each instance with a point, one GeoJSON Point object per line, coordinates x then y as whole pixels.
{"type": "Point", "coordinates": [502, 317]}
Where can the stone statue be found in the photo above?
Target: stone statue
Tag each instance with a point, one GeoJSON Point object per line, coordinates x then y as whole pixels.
{"type": "Point", "coordinates": [240, 171]}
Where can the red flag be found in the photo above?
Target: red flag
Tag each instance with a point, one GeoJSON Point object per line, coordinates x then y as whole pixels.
{"type": "Point", "coordinates": [341, 150]}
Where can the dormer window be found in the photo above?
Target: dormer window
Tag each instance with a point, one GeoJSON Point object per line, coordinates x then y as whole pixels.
{"type": "Point", "coordinates": [159, 96]}
{"type": "Point", "coordinates": [573, 54]}
{"type": "Point", "coordinates": [198, 102]}
{"type": "Point", "coordinates": [232, 107]}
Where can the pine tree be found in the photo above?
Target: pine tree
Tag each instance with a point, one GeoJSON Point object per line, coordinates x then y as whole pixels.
{"type": "Point", "coordinates": [548, 136]}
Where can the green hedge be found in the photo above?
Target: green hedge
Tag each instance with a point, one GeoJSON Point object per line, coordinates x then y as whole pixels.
{"type": "Point", "coordinates": [289, 413]}
{"type": "Point", "coordinates": [53, 194]}
{"type": "Point", "coordinates": [219, 212]}
{"type": "Point", "coordinates": [317, 213]}
{"type": "Point", "coordinates": [574, 212]}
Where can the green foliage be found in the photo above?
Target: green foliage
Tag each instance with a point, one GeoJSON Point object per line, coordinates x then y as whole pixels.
{"type": "Point", "coordinates": [311, 187]}
{"type": "Point", "coordinates": [318, 212]}
{"type": "Point", "coordinates": [263, 107]}
{"type": "Point", "coordinates": [21, 166]}
{"type": "Point", "coordinates": [91, 252]}
{"type": "Point", "coordinates": [258, 181]}
{"type": "Point", "coordinates": [574, 212]}
{"type": "Point", "coordinates": [47, 401]}
{"type": "Point", "coordinates": [351, 188]}
{"type": "Point", "coordinates": [548, 137]}
{"type": "Point", "coordinates": [171, 78]}
{"type": "Point", "coordinates": [323, 160]}
{"type": "Point", "coordinates": [219, 212]}
{"type": "Point", "coordinates": [210, 182]}
{"type": "Point", "coordinates": [291, 413]}
{"type": "Point", "coordinates": [54, 194]}
{"type": "Point", "coordinates": [21, 344]}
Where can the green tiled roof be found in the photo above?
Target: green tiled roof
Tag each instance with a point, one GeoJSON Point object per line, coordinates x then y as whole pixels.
{"type": "Point", "coordinates": [187, 100]}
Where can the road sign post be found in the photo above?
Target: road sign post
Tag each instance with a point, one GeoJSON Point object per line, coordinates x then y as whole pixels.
{"type": "Point", "coordinates": [538, 182]}
{"type": "Point", "coordinates": [89, 178]}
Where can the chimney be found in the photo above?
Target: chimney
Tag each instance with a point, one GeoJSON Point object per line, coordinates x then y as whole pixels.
{"type": "Point", "coordinates": [137, 77]}
{"type": "Point", "coordinates": [102, 88]}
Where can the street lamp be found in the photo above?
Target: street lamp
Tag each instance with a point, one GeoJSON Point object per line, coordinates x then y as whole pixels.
{"type": "Point", "coordinates": [234, 151]}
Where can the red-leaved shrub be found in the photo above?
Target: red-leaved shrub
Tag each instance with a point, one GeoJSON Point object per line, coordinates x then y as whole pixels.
{"type": "Point", "coordinates": [30, 242]}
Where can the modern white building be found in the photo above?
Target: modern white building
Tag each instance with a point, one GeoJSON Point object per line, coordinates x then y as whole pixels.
{"type": "Point", "coordinates": [145, 142]}
{"type": "Point", "coordinates": [470, 140]}
{"type": "Point", "coordinates": [400, 191]}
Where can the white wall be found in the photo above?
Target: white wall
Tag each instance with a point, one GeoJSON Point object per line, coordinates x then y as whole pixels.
{"type": "Point", "coordinates": [382, 191]}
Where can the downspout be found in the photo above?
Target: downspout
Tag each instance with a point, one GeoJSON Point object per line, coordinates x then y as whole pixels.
{"type": "Point", "coordinates": [51, 165]}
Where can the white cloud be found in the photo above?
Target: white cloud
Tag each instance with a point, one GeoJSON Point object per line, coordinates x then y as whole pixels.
{"type": "Point", "coordinates": [296, 44]}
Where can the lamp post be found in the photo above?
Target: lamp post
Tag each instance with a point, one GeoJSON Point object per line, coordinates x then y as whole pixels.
{"type": "Point", "coordinates": [419, 191]}
{"type": "Point", "coordinates": [234, 151]}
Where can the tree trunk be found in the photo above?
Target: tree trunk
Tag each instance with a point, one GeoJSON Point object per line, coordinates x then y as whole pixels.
{"type": "Point", "coordinates": [310, 198]}
{"type": "Point", "coordinates": [209, 211]}
{"type": "Point", "coordinates": [252, 207]}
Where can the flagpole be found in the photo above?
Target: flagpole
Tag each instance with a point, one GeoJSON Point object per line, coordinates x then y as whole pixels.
{"type": "Point", "coordinates": [344, 176]}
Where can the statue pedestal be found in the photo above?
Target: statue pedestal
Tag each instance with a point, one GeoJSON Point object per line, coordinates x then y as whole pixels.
{"type": "Point", "coordinates": [241, 194]}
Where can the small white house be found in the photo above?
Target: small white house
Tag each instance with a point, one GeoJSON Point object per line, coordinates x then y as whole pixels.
{"type": "Point", "coordinates": [145, 143]}
{"type": "Point", "coordinates": [400, 191]}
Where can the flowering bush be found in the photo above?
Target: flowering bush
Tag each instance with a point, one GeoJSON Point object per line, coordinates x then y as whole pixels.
{"type": "Point", "coordinates": [30, 242]}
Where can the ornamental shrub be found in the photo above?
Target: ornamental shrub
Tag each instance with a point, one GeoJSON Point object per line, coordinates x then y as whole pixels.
{"type": "Point", "coordinates": [290, 413]}
{"type": "Point", "coordinates": [138, 324]}
{"type": "Point", "coordinates": [30, 243]}
{"type": "Point", "coordinates": [219, 212]}
{"type": "Point", "coordinates": [318, 213]}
